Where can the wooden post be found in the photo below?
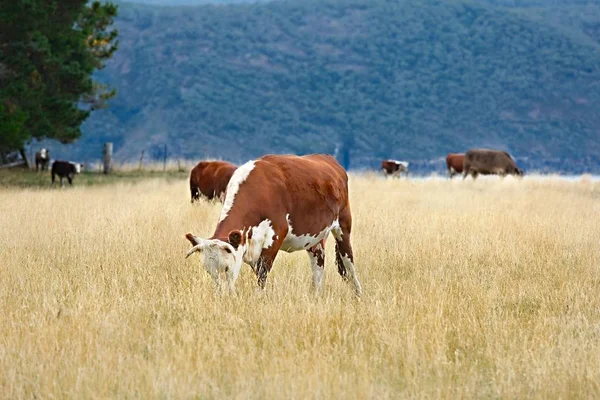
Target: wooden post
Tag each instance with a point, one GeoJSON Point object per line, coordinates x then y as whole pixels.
{"type": "Point", "coordinates": [165, 159]}
{"type": "Point", "coordinates": [108, 150]}
{"type": "Point", "coordinates": [141, 160]}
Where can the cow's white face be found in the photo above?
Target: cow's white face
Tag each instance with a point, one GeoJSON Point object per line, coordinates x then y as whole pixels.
{"type": "Point", "coordinates": [77, 168]}
{"type": "Point", "coordinates": [43, 153]}
{"type": "Point", "coordinates": [220, 257]}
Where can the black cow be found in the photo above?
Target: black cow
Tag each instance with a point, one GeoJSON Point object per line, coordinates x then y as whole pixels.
{"type": "Point", "coordinates": [65, 169]}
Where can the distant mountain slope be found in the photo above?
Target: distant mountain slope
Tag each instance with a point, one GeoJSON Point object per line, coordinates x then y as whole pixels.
{"type": "Point", "coordinates": [192, 2]}
{"type": "Point", "coordinates": [404, 79]}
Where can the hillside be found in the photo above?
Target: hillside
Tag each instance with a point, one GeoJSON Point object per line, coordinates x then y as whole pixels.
{"type": "Point", "coordinates": [410, 80]}
{"type": "Point", "coordinates": [192, 2]}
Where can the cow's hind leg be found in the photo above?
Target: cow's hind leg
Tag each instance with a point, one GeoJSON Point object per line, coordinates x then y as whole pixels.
{"type": "Point", "coordinates": [343, 251]}
{"type": "Point", "coordinates": [316, 254]}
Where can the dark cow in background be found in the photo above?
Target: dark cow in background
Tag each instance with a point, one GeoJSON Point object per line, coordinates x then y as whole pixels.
{"type": "Point", "coordinates": [281, 202]}
{"type": "Point", "coordinates": [210, 179]}
{"type": "Point", "coordinates": [42, 159]}
{"type": "Point", "coordinates": [65, 169]}
{"type": "Point", "coordinates": [455, 163]}
{"type": "Point", "coordinates": [394, 167]}
{"type": "Point", "coordinates": [489, 162]}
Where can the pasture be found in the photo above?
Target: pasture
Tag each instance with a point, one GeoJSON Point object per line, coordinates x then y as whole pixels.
{"type": "Point", "coordinates": [470, 289]}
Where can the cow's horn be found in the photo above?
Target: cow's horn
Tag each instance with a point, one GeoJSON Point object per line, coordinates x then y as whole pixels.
{"type": "Point", "coordinates": [194, 249]}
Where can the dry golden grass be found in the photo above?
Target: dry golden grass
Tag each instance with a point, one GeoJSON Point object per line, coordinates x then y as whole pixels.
{"type": "Point", "coordinates": [471, 289]}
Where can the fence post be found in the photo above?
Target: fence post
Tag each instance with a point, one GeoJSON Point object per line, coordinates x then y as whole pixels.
{"type": "Point", "coordinates": [108, 149]}
{"type": "Point", "coordinates": [165, 159]}
{"type": "Point", "coordinates": [141, 160]}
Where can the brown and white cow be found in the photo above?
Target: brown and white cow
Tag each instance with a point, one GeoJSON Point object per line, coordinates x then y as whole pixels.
{"type": "Point", "coordinates": [455, 163]}
{"type": "Point", "coordinates": [42, 159]}
{"type": "Point", "coordinates": [489, 162]}
{"type": "Point", "coordinates": [394, 167]}
{"type": "Point", "coordinates": [210, 179]}
{"type": "Point", "coordinates": [281, 202]}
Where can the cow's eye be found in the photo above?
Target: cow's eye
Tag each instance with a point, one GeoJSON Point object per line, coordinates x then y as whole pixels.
{"type": "Point", "coordinates": [227, 250]}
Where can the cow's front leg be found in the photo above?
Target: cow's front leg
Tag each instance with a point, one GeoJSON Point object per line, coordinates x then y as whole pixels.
{"type": "Point", "coordinates": [267, 256]}
{"type": "Point", "coordinates": [262, 269]}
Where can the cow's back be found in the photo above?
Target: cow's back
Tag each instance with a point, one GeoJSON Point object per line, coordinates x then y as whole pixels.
{"type": "Point", "coordinates": [487, 161]}
{"type": "Point", "coordinates": [211, 177]}
{"type": "Point", "coordinates": [288, 186]}
{"type": "Point", "coordinates": [305, 181]}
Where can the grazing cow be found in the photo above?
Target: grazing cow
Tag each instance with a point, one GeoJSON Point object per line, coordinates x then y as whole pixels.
{"type": "Point", "coordinates": [455, 163]}
{"type": "Point", "coordinates": [394, 168]}
{"type": "Point", "coordinates": [489, 162]}
{"type": "Point", "coordinates": [42, 158]}
{"type": "Point", "coordinates": [281, 202]}
{"type": "Point", "coordinates": [65, 169]}
{"type": "Point", "coordinates": [210, 179]}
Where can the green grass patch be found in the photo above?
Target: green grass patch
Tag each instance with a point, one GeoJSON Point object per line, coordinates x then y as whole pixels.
{"type": "Point", "coordinates": [27, 179]}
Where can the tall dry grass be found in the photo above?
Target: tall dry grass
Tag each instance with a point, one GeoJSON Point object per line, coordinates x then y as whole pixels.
{"type": "Point", "coordinates": [471, 289]}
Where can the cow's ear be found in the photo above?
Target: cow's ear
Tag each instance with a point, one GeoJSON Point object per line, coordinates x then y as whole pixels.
{"type": "Point", "coordinates": [193, 239]}
{"type": "Point", "coordinates": [235, 238]}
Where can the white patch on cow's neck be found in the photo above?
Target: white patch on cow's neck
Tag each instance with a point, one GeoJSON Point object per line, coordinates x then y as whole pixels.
{"type": "Point", "coordinates": [262, 237]}
{"type": "Point", "coordinates": [239, 176]}
{"type": "Point", "coordinates": [293, 242]}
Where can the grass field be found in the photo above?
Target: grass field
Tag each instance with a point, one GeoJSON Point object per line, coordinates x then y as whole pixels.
{"type": "Point", "coordinates": [471, 289]}
{"type": "Point", "coordinates": [23, 178]}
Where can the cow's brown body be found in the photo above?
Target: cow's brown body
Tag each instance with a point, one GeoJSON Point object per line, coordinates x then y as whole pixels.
{"type": "Point", "coordinates": [282, 202]}
{"type": "Point", "coordinates": [394, 167]}
{"type": "Point", "coordinates": [455, 163]}
{"type": "Point", "coordinates": [210, 179]}
{"type": "Point", "coordinates": [489, 162]}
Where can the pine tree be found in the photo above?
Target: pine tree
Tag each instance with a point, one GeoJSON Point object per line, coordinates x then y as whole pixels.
{"type": "Point", "coordinates": [48, 53]}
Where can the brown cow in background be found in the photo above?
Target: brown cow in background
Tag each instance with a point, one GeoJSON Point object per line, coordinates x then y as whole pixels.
{"type": "Point", "coordinates": [210, 179]}
{"type": "Point", "coordinates": [489, 162]}
{"type": "Point", "coordinates": [394, 167]}
{"type": "Point", "coordinates": [455, 163]}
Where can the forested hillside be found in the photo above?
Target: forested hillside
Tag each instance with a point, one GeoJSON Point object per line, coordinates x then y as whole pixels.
{"type": "Point", "coordinates": [403, 79]}
{"type": "Point", "coordinates": [192, 2]}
